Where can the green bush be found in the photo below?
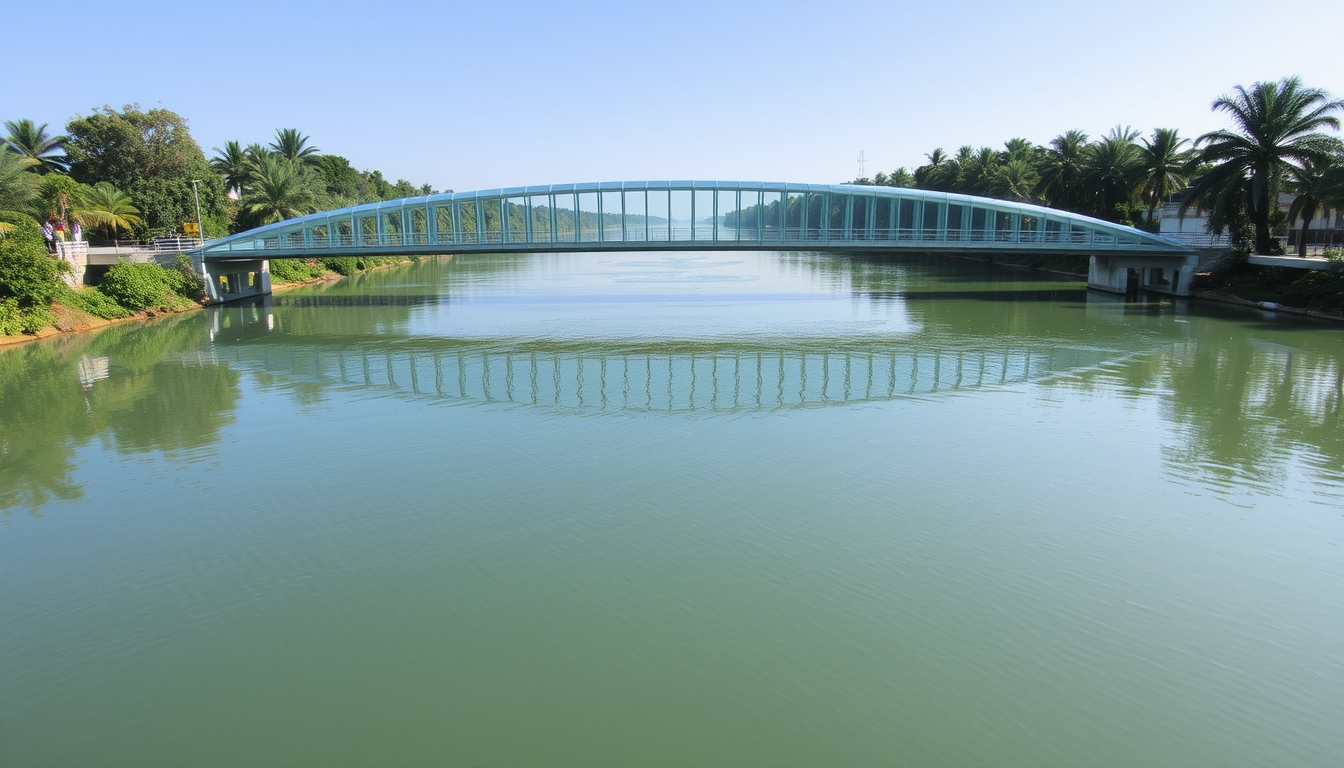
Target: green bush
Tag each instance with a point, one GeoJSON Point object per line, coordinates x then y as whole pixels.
{"type": "Point", "coordinates": [34, 319]}
{"type": "Point", "coordinates": [92, 301]}
{"type": "Point", "coordinates": [184, 280]}
{"type": "Point", "coordinates": [1316, 290]}
{"type": "Point", "coordinates": [27, 272]}
{"type": "Point", "coordinates": [343, 265]}
{"type": "Point", "coordinates": [295, 270]}
{"type": "Point", "coordinates": [140, 286]}
{"type": "Point", "coordinates": [11, 317]}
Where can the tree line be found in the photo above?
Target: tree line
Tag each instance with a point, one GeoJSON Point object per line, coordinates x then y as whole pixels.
{"type": "Point", "coordinates": [138, 174]}
{"type": "Point", "coordinates": [1276, 144]}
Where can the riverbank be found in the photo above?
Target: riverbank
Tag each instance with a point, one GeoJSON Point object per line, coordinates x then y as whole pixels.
{"type": "Point", "coordinates": [71, 320]}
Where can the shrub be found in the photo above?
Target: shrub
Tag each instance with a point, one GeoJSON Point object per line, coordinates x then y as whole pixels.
{"type": "Point", "coordinates": [27, 272]}
{"type": "Point", "coordinates": [295, 270]}
{"type": "Point", "coordinates": [11, 317]}
{"type": "Point", "coordinates": [184, 280]}
{"type": "Point", "coordinates": [92, 301]}
{"type": "Point", "coordinates": [139, 286]}
{"type": "Point", "coordinates": [343, 265]}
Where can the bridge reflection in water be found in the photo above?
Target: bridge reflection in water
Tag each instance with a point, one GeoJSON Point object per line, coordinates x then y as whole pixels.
{"type": "Point", "coordinates": [673, 375]}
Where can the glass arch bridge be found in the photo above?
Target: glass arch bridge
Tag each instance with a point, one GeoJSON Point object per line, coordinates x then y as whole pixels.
{"type": "Point", "coordinates": [680, 215]}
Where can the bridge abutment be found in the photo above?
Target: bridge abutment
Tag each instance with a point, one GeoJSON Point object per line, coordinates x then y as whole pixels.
{"type": "Point", "coordinates": [233, 280]}
{"type": "Point", "coordinates": [1172, 275]}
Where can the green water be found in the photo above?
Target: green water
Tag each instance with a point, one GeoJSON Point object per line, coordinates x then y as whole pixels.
{"type": "Point", "coordinates": [687, 509]}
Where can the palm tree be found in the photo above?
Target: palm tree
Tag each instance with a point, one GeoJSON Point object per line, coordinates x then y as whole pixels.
{"type": "Point", "coordinates": [1276, 127]}
{"type": "Point", "coordinates": [293, 146]}
{"type": "Point", "coordinates": [231, 162]}
{"type": "Point", "coordinates": [1314, 184]}
{"type": "Point", "coordinates": [17, 186]}
{"type": "Point", "coordinates": [33, 142]}
{"type": "Point", "coordinates": [1111, 174]}
{"type": "Point", "coordinates": [1016, 180]}
{"type": "Point", "coordinates": [1164, 167]}
{"type": "Point", "coordinates": [1062, 171]}
{"type": "Point", "coordinates": [279, 189]}
{"type": "Point", "coordinates": [104, 205]}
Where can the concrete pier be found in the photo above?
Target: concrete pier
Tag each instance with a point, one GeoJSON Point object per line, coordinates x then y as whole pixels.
{"type": "Point", "coordinates": [233, 280]}
{"type": "Point", "coordinates": [1171, 275]}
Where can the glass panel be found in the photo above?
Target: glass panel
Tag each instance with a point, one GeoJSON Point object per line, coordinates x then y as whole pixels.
{"type": "Point", "coordinates": [443, 219]}
{"type": "Point", "coordinates": [345, 233]}
{"type": "Point", "coordinates": [368, 230]}
{"type": "Point", "coordinates": [635, 220]}
{"type": "Point", "coordinates": [466, 219]}
{"type": "Point", "coordinates": [566, 218]}
{"type": "Point", "coordinates": [793, 216]}
{"type": "Point", "coordinates": [836, 219]}
{"type": "Point", "coordinates": [978, 218]}
{"type": "Point", "coordinates": [516, 208]}
{"type": "Point", "coordinates": [908, 219]}
{"type": "Point", "coordinates": [882, 219]}
{"type": "Point", "coordinates": [658, 215]}
{"type": "Point", "coordinates": [1054, 231]}
{"type": "Point", "coordinates": [816, 211]}
{"type": "Point", "coordinates": [588, 217]}
{"type": "Point", "coordinates": [492, 226]}
{"type": "Point", "coordinates": [679, 218]}
{"type": "Point", "coordinates": [393, 227]}
{"type": "Point", "coordinates": [1029, 228]}
{"type": "Point", "coordinates": [746, 218]}
{"type": "Point", "coordinates": [613, 226]}
{"type": "Point", "coordinates": [929, 223]}
{"type": "Point", "coordinates": [1003, 226]}
{"type": "Point", "coordinates": [859, 217]}
{"type": "Point", "coordinates": [318, 235]}
{"type": "Point", "coordinates": [419, 234]}
{"type": "Point", "coordinates": [772, 221]}
{"type": "Point", "coordinates": [540, 207]}
{"type": "Point", "coordinates": [704, 214]}
{"type": "Point", "coordinates": [726, 214]}
{"type": "Point", "coordinates": [956, 221]}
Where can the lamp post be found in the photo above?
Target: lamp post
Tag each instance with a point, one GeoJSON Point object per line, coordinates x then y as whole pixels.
{"type": "Point", "coordinates": [200, 230]}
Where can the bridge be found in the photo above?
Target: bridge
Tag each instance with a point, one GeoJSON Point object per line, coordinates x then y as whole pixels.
{"type": "Point", "coordinates": [710, 215]}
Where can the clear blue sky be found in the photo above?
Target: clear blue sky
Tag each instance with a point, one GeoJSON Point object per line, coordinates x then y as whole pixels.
{"type": "Point", "coordinates": [486, 94]}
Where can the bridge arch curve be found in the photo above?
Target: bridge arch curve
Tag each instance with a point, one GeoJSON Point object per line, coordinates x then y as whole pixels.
{"type": "Point", "coordinates": [653, 215]}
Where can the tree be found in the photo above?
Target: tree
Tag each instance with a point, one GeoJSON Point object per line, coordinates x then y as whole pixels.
{"type": "Point", "coordinates": [1111, 175]}
{"type": "Point", "coordinates": [1314, 184]}
{"type": "Point", "coordinates": [152, 157]}
{"type": "Point", "coordinates": [103, 205]}
{"type": "Point", "coordinates": [293, 146]}
{"type": "Point", "coordinates": [1016, 179]}
{"type": "Point", "coordinates": [33, 142]}
{"type": "Point", "coordinates": [279, 189]}
{"type": "Point", "coordinates": [1164, 167]}
{"type": "Point", "coordinates": [57, 196]}
{"type": "Point", "coordinates": [232, 164]}
{"type": "Point", "coordinates": [18, 186]}
{"type": "Point", "coordinates": [1062, 170]}
{"type": "Point", "coordinates": [1276, 127]}
{"type": "Point", "coordinates": [27, 273]}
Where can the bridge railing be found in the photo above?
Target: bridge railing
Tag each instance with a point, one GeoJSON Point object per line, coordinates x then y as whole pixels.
{"type": "Point", "coordinates": [308, 240]}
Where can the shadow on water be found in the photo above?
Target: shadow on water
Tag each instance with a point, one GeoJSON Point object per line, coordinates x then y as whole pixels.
{"type": "Point", "coordinates": [1244, 395]}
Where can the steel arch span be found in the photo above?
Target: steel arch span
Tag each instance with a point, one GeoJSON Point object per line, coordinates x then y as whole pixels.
{"type": "Point", "coordinates": [713, 215]}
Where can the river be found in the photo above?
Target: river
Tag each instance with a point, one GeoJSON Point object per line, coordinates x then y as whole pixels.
{"type": "Point", "coordinates": [676, 509]}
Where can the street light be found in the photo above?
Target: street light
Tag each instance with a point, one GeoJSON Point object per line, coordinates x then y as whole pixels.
{"type": "Point", "coordinates": [200, 230]}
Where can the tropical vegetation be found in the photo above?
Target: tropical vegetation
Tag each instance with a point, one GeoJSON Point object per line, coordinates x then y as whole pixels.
{"type": "Point", "coordinates": [1277, 143]}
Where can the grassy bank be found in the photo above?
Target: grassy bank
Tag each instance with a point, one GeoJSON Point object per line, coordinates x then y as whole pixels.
{"type": "Point", "coordinates": [1313, 291]}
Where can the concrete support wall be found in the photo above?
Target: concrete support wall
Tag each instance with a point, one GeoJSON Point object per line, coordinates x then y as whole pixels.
{"type": "Point", "coordinates": [233, 280]}
{"type": "Point", "coordinates": [1171, 275]}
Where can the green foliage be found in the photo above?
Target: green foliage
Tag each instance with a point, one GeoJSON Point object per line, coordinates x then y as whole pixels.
{"type": "Point", "coordinates": [142, 286]}
{"type": "Point", "coordinates": [184, 280]}
{"type": "Point", "coordinates": [279, 189]}
{"type": "Point", "coordinates": [343, 265]}
{"type": "Point", "coordinates": [1322, 291]}
{"type": "Point", "coordinates": [92, 301]}
{"type": "Point", "coordinates": [18, 185]}
{"type": "Point", "coordinates": [32, 141]}
{"type": "Point", "coordinates": [27, 272]}
{"type": "Point", "coordinates": [295, 270]}
{"type": "Point", "coordinates": [152, 157]}
{"type": "Point", "coordinates": [105, 206]}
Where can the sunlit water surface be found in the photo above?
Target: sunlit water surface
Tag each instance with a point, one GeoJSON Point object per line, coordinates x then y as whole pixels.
{"type": "Point", "coordinates": [688, 509]}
